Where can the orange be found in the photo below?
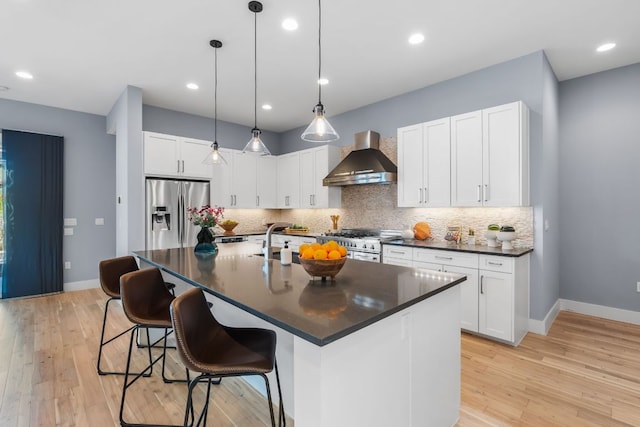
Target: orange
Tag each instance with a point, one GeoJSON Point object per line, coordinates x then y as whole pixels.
{"type": "Point", "coordinates": [327, 247]}
{"type": "Point", "coordinates": [308, 253]}
{"type": "Point", "coordinates": [342, 250]}
{"type": "Point", "coordinates": [334, 254]}
{"type": "Point", "coordinates": [315, 246]}
{"type": "Point", "coordinates": [320, 254]}
{"type": "Point", "coordinates": [302, 248]}
{"type": "Point", "coordinates": [332, 244]}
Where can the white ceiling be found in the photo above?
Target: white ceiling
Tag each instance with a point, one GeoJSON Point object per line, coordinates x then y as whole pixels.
{"type": "Point", "coordinates": [84, 52]}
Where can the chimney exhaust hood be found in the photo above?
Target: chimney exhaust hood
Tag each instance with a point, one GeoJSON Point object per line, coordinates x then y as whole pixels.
{"type": "Point", "coordinates": [366, 164]}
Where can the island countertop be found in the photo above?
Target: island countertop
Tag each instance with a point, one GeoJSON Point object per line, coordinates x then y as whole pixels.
{"type": "Point", "coordinates": [286, 296]}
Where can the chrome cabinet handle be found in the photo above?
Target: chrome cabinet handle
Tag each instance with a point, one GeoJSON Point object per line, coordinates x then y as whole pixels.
{"type": "Point", "coordinates": [444, 257]}
{"type": "Point", "coordinates": [481, 284]}
{"type": "Point", "coordinates": [183, 166]}
{"type": "Point", "coordinates": [178, 166]}
{"type": "Point", "coordinates": [494, 263]}
{"type": "Point", "coordinates": [426, 195]}
{"type": "Point", "coordinates": [231, 199]}
{"type": "Point", "coordinates": [479, 197]}
{"type": "Point", "coordinates": [486, 191]}
{"type": "Point", "coordinates": [420, 195]}
{"type": "Point", "coordinates": [397, 252]}
{"type": "Point", "coordinates": [310, 200]}
{"type": "Point", "coordinates": [257, 200]}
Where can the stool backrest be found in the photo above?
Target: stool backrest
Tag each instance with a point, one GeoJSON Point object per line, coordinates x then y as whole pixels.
{"type": "Point", "coordinates": [192, 323]}
{"type": "Point", "coordinates": [145, 296]}
{"type": "Point", "coordinates": [110, 271]}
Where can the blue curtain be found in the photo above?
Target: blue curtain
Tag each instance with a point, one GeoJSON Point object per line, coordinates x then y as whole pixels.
{"type": "Point", "coordinates": [33, 213]}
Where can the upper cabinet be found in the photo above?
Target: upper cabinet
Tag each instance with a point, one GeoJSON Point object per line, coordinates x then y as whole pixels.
{"type": "Point", "coordinates": [490, 157]}
{"type": "Point", "coordinates": [474, 159]}
{"type": "Point", "coordinates": [288, 178]}
{"type": "Point", "coordinates": [424, 164]}
{"type": "Point", "coordinates": [175, 156]}
{"type": "Point", "coordinates": [315, 164]}
{"type": "Point", "coordinates": [246, 181]}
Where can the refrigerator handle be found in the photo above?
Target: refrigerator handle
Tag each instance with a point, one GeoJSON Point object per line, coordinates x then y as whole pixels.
{"type": "Point", "coordinates": [180, 213]}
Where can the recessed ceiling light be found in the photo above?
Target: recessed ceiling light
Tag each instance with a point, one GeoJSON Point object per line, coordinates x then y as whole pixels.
{"type": "Point", "coordinates": [323, 81]}
{"type": "Point", "coordinates": [605, 47]}
{"type": "Point", "coordinates": [290, 24]}
{"type": "Point", "coordinates": [416, 38]}
{"type": "Point", "coordinates": [267, 107]}
{"type": "Point", "coordinates": [192, 86]}
{"type": "Point", "coordinates": [4, 88]}
{"type": "Point", "coordinates": [24, 75]}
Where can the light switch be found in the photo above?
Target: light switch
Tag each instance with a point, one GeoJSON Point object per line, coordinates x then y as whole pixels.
{"type": "Point", "coordinates": [70, 222]}
{"type": "Point", "coordinates": [67, 265]}
{"type": "Point", "coordinates": [99, 221]}
{"type": "Point", "coordinates": [68, 231]}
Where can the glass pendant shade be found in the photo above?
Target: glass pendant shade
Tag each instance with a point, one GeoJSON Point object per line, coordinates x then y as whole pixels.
{"type": "Point", "coordinates": [255, 144]}
{"type": "Point", "coordinates": [215, 156]}
{"type": "Point", "coordinates": [320, 130]}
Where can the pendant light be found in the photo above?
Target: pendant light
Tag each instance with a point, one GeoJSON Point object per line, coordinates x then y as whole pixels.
{"type": "Point", "coordinates": [320, 130]}
{"type": "Point", "coordinates": [215, 157]}
{"type": "Point", "coordinates": [255, 144]}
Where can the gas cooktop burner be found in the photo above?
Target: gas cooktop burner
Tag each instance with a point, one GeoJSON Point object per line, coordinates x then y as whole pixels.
{"type": "Point", "coordinates": [354, 234]}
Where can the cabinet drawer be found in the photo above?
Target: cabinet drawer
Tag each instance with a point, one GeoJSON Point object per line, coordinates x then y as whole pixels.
{"type": "Point", "coordinates": [401, 252]}
{"type": "Point", "coordinates": [397, 261]}
{"type": "Point", "coordinates": [458, 259]}
{"type": "Point", "coordinates": [496, 263]}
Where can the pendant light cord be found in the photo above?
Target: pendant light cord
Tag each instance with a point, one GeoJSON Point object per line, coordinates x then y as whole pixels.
{"type": "Point", "coordinates": [215, 99]}
{"type": "Point", "coordinates": [255, 70]}
{"type": "Point", "coordinates": [319, 51]}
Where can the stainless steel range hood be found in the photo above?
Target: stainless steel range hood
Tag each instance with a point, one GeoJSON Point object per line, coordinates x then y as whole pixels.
{"type": "Point", "coordinates": [366, 164]}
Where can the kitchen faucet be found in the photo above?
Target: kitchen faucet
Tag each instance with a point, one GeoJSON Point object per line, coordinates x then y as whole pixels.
{"type": "Point", "coordinates": [268, 253]}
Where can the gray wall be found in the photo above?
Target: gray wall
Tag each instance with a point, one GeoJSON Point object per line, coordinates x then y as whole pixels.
{"type": "Point", "coordinates": [89, 179]}
{"type": "Point", "coordinates": [599, 188]}
{"type": "Point", "coordinates": [230, 135]}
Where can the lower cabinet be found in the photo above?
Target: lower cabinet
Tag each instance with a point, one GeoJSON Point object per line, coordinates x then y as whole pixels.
{"type": "Point", "coordinates": [495, 296]}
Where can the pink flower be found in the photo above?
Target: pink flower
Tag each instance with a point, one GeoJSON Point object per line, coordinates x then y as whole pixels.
{"type": "Point", "coordinates": [205, 216]}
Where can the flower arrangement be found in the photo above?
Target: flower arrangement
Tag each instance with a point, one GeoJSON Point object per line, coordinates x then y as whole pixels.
{"type": "Point", "coordinates": [206, 216]}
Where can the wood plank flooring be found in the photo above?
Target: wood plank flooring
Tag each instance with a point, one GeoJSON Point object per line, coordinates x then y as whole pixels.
{"type": "Point", "coordinates": [586, 372]}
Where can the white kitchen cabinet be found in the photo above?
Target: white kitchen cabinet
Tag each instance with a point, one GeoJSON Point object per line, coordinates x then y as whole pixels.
{"type": "Point", "coordinates": [246, 181]}
{"type": "Point", "coordinates": [504, 297]}
{"type": "Point", "coordinates": [424, 170]}
{"type": "Point", "coordinates": [175, 156]}
{"type": "Point", "coordinates": [288, 179]}
{"type": "Point", "coordinates": [495, 296]}
{"type": "Point", "coordinates": [315, 164]}
{"type": "Point", "coordinates": [490, 157]}
{"type": "Point", "coordinates": [456, 262]}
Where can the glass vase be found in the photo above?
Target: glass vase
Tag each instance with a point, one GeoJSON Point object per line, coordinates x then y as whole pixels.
{"type": "Point", "coordinates": [206, 245]}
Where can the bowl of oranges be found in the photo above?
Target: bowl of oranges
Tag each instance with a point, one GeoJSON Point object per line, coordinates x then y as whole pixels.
{"type": "Point", "coordinates": [324, 260]}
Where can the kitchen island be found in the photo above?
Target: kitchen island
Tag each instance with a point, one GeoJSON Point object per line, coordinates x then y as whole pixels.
{"type": "Point", "coordinates": [379, 346]}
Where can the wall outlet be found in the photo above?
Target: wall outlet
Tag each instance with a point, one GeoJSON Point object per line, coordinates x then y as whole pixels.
{"type": "Point", "coordinates": [67, 265]}
{"type": "Point", "coordinates": [638, 287]}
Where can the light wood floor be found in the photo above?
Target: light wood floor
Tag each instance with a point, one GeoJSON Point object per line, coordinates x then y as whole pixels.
{"type": "Point", "coordinates": [586, 372]}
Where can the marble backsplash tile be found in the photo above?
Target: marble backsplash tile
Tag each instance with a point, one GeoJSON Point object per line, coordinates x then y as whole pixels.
{"type": "Point", "coordinates": [374, 206]}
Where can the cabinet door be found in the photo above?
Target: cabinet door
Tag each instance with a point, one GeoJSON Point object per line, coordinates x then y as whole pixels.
{"type": "Point", "coordinates": [469, 297]}
{"type": "Point", "coordinates": [161, 155]}
{"type": "Point", "coordinates": [503, 151]}
{"type": "Point", "coordinates": [192, 153]}
{"type": "Point", "coordinates": [496, 305]}
{"type": "Point", "coordinates": [243, 183]}
{"type": "Point", "coordinates": [410, 169]}
{"type": "Point", "coordinates": [307, 178]}
{"type": "Point", "coordinates": [436, 160]}
{"type": "Point", "coordinates": [288, 181]}
{"type": "Point", "coordinates": [466, 159]}
{"type": "Point", "coordinates": [325, 159]}
{"type": "Point", "coordinates": [266, 182]}
{"type": "Point", "coordinates": [221, 191]}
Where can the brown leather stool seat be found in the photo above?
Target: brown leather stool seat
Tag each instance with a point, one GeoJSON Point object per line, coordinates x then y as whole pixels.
{"type": "Point", "coordinates": [218, 351]}
{"type": "Point", "coordinates": [110, 271]}
{"type": "Point", "coordinates": [146, 302]}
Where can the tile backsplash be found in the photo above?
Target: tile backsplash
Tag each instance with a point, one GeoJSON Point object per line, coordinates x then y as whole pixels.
{"type": "Point", "coordinates": [374, 206]}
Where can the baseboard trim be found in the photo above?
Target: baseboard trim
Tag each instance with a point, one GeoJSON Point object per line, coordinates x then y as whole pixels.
{"type": "Point", "coordinates": [611, 313]}
{"type": "Point", "coordinates": [81, 285]}
{"type": "Point", "coordinates": [541, 327]}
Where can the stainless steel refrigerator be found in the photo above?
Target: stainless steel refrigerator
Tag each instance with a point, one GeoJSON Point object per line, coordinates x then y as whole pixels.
{"type": "Point", "coordinates": [167, 201]}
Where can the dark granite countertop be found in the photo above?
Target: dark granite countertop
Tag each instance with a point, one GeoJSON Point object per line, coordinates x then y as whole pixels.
{"type": "Point", "coordinates": [319, 312]}
{"type": "Point", "coordinates": [446, 246]}
{"type": "Point", "coordinates": [257, 233]}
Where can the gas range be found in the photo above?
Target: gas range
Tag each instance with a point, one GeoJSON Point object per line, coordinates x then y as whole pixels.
{"type": "Point", "coordinates": [361, 243]}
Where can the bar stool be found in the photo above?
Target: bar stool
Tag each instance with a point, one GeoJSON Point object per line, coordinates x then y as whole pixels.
{"type": "Point", "coordinates": [110, 271]}
{"type": "Point", "coordinates": [217, 351]}
{"type": "Point", "coordinates": [146, 302]}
